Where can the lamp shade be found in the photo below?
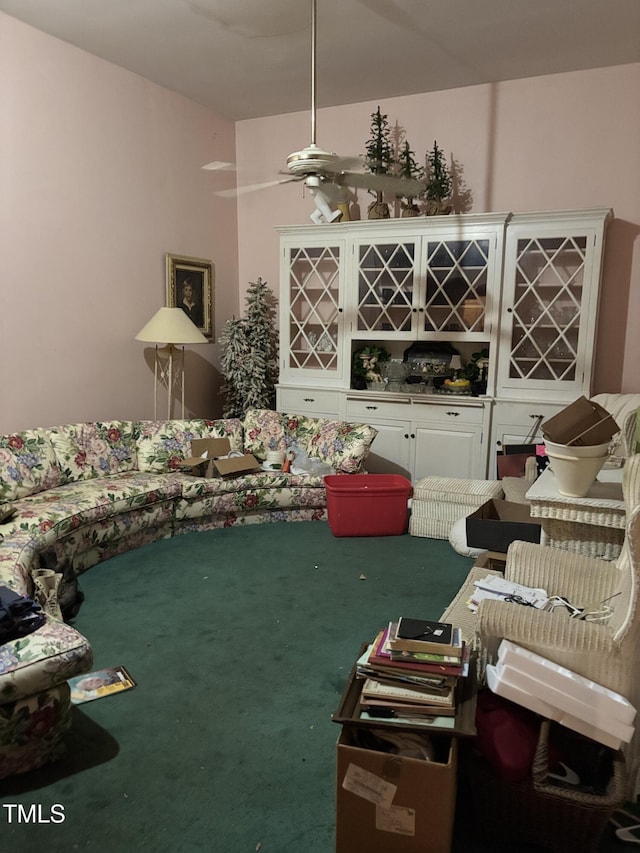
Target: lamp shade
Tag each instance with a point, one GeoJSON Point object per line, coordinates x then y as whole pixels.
{"type": "Point", "coordinates": [171, 326]}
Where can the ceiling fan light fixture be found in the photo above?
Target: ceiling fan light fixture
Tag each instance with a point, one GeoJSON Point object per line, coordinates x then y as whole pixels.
{"type": "Point", "coordinates": [311, 160]}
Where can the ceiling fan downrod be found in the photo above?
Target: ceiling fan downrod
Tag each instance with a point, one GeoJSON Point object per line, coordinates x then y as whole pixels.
{"type": "Point", "coordinates": [313, 71]}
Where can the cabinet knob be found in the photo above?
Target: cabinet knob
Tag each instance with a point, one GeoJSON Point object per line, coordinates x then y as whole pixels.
{"type": "Point", "coordinates": [371, 408]}
{"type": "Point", "coordinates": [535, 417]}
{"type": "Point", "coordinates": [454, 414]}
{"type": "Point", "coordinates": [406, 435]}
{"type": "Point", "coordinates": [509, 310]}
{"type": "Point", "coordinates": [309, 399]}
{"type": "Point", "coordinates": [413, 435]}
{"type": "Point", "coordinates": [339, 310]}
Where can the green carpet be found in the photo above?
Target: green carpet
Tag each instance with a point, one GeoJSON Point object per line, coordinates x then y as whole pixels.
{"type": "Point", "coordinates": [240, 641]}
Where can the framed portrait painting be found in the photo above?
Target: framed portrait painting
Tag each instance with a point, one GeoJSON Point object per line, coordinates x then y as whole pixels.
{"type": "Point", "coordinates": [190, 283]}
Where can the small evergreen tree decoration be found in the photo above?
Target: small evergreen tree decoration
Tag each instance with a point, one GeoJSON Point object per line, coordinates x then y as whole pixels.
{"type": "Point", "coordinates": [233, 365]}
{"type": "Point", "coordinates": [263, 342]}
{"type": "Point", "coordinates": [379, 159]}
{"type": "Point", "coordinates": [409, 168]}
{"type": "Point", "coordinates": [438, 182]}
{"type": "Point", "coordinates": [249, 361]}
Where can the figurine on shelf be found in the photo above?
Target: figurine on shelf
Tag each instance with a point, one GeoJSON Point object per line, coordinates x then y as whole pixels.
{"type": "Point", "coordinates": [366, 366]}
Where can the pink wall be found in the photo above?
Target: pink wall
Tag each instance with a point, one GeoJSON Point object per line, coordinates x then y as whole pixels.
{"type": "Point", "coordinates": [99, 177]}
{"type": "Point", "coordinates": [558, 142]}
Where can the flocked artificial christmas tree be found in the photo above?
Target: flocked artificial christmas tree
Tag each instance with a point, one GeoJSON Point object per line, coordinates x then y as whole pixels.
{"type": "Point", "coordinates": [409, 168]}
{"type": "Point", "coordinates": [439, 184]}
{"type": "Point", "coordinates": [249, 361]}
{"type": "Point", "coordinates": [379, 160]}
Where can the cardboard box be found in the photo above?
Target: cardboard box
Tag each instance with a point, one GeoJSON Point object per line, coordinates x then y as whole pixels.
{"type": "Point", "coordinates": [500, 685]}
{"type": "Point", "coordinates": [570, 686]}
{"type": "Point", "coordinates": [210, 459]}
{"type": "Point", "coordinates": [583, 422]}
{"type": "Point", "coordinates": [386, 803]}
{"type": "Point", "coordinates": [497, 523]}
{"type": "Point", "coordinates": [494, 561]}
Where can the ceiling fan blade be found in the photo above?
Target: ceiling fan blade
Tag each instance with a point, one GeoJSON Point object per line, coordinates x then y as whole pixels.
{"type": "Point", "coordinates": [346, 164]}
{"type": "Point", "coordinates": [234, 192]}
{"type": "Point", "coordinates": [383, 183]}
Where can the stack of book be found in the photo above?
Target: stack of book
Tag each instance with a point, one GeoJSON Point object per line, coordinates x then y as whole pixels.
{"type": "Point", "coordinates": [410, 673]}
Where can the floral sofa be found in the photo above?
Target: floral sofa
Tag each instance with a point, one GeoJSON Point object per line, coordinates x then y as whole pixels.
{"type": "Point", "coordinates": [93, 490]}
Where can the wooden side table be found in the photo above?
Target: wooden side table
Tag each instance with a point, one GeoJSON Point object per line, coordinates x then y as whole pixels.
{"type": "Point", "coordinates": [593, 525]}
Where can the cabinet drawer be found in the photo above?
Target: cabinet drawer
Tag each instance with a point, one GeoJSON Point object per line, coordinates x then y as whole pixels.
{"type": "Point", "coordinates": [525, 414]}
{"type": "Point", "coordinates": [308, 401]}
{"type": "Point", "coordinates": [448, 413]}
{"type": "Point", "coordinates": [363, 410]}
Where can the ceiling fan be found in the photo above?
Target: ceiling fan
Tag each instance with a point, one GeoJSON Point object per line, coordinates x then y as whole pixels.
{"type": "Point", "coordinates": [324, 173]}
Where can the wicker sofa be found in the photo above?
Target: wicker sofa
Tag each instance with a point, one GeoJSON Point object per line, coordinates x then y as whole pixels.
{"type": "Point", "coordinates": [93, 490]}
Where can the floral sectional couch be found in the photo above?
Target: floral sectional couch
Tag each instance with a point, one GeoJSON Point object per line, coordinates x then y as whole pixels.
{"type": "Point", "coordinates": [93, 490]}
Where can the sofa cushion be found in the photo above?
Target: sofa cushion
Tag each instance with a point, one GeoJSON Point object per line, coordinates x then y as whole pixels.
{"type": "Point", "coordinates": [40, 660]}
{"type": "Point", "coordinates": [343, 446]}
{"type": "Point", "coordinates": [60, 511]}
{"type": "Point", "coordinates": [197, 487]}
{"type": "Point", "coordinates": [252, 500]}
{"type": "Point", "coordinates": [163, 445]}
{"type": "Point", "coordinates": [28, 464]}
{"type": "Point", "coordinates": [89, 450]}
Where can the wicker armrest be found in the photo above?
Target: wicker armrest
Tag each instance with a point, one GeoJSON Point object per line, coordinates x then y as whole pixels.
{"type": "Point", "coordinates": [543, 632]}
{"type": "Point", "coordinates": [581, 579]}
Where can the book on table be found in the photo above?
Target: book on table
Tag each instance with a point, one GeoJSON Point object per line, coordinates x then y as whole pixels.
{"type": "Point", "coordinates": [425, 636]}
{"type": "Point", "coordinates": [405, 698]}
{"type": "Point", "coordinates": [430, 672]}
{"type": "Point", "coordinates": [380, 658]}
{"type": "Point", "coordinates": [421, 721]}
{"type": "Point", "coordinates": [387, 710]}
{"type": "Point", "coordinates": [450, 655]}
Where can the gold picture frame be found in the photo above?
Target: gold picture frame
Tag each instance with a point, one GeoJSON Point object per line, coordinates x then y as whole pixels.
{"type": "Point", "coordinates": [198, 275]}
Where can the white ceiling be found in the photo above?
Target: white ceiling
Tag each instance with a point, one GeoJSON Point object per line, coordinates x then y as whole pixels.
{"type": "Point", "coordinates": [249, 58]}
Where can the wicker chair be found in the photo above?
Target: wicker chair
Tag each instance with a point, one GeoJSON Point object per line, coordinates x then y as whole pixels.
{"type": "Point", "coordinates": [624, 408]}
{"type": "Point", "coordinates": [607, 653]}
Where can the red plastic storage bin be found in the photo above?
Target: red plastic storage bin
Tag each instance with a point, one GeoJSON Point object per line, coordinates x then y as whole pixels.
{"type": "Point", "coordinates": [367, 504]}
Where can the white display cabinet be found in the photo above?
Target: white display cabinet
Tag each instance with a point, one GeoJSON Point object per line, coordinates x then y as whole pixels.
{"type": "Point", "coordinates": [523, 286]}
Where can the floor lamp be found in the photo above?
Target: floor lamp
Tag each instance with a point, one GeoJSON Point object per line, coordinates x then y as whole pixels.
{"type": "Point", "coordinates": [171, 327]}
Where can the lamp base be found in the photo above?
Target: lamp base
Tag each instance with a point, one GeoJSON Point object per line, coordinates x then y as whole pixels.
{"type": "Point", "coordinates": [169, 373]}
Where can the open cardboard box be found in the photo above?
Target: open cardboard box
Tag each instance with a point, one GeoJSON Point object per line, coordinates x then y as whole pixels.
{"type": "Point", "coordinates": [387, 802]}
{"type": "Point", "coordinates": [583, 422]}
{"type": "Point", "coordinates": [497, 523]}
{"type": "Point", "coordinates": [210, 459]}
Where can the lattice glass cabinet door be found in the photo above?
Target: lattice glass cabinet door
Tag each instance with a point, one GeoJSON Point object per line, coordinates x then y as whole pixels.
{"type": "Point", "coordinates": [456, 285]}
{"type": "Point", "coordinates": [552, 275]}
{"type": "Point", "coordinates": [385, 282]}
{"type": "Point", "coordinates": [311, 312]}
{"type": "Point", "coordinates": [437, 281]}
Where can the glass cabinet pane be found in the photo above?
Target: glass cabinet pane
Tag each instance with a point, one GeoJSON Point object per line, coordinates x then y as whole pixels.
{"type": "Point", "coordinates": [385, 287]}
{"type": "Point", "coordinates": [547, 305]}
{"type": "Point", "coordinates": [314, 312]}
{"type": "Point", "coordinates": [456, 285]}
